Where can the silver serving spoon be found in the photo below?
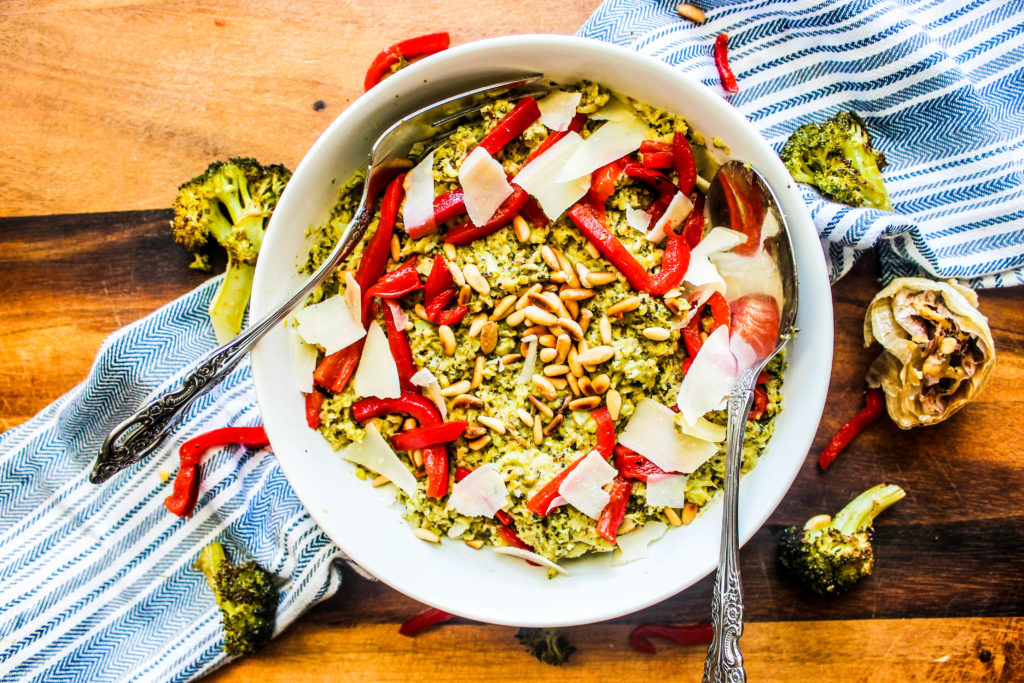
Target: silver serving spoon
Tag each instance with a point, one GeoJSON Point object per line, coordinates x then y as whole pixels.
{"type": "Point", "coordinates": [738, 198]}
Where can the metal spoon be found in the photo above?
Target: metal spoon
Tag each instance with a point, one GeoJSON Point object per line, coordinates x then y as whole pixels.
{"type": "Point", "coordinates": [739, 198]}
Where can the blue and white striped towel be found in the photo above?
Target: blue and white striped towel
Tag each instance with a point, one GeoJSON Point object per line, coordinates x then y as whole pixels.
{"type": "Point", "coordinates": [940, 84]}
{"type": "Point", "coordinates": [95, 581]}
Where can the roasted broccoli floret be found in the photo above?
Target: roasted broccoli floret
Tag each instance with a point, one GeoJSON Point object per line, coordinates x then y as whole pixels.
{"type": "Point", "coordinates": [247, 598]}
{"type": "Point", "coordinates": [829, 556]}
{"type": "Point", "coordinates": [549, 645]}
{"type": "Point", "coordinates": [839, 159]}
{"type": "Point", "coordinates": [229, 204]}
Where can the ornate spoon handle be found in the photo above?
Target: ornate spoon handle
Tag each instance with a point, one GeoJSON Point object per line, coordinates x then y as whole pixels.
{"type": "Point", "coordinates": [724, 662]}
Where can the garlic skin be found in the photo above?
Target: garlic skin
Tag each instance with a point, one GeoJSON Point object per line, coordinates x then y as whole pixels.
{"type": "Point", "coordinates": [937, 352]}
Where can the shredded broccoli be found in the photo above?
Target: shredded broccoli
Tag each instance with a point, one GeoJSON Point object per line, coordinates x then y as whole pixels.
{"type": "Point", "coordinates": [229, 203]}
{"type": "Point", "coordinates": [247, 598]}
{"type": "Point", "coordinates": [829, 556]}
{"type": "Point", "coordinates": [838, 158]}
{"type": "Point", "coordinates": [549, 645]}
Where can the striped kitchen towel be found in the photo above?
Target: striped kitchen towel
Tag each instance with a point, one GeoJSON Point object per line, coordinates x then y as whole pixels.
{"type": "Point", "coordinates": [940, 84]}
{"type": "Point", "coordinates": [96, 582]}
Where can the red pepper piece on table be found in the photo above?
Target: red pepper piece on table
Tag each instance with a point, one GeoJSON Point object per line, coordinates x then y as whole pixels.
{"type": "Point", "coordinates": [721, 52]}
{"type": "Point", "coordinates": [398, 342]}
{"type": "Point", "coordinates": [468, 232]}
{"type": "Point", "coordinates": [439, 280]}
{"type": "Point", "coordinates": [191, 452]}
{"type": "Point", "coordinates": [398, 282]}
{"type": "Point", "coordinates": [874, 404]}
{"type": "Point", "coordinates": [511, 126]}
{"type": "Point", "coordinates": [757, 411]}
{"type": "Point", "coordinates": [431, 435]}
{"type": "Point", "coordinates": [375, 255]}
{"type": "Point", "coordinates": [657, 160]}
{"type": "Point", "coordinates": [423, 621]}
{"type": "Point", "coordinates": [685, 164]}
{"type": "Point", "coordinates": [411, 48]}
{"type": "Point", "coordinates": [446, 207]}
{"type": "Point", "coordinates": [182, 500]}
{"type": "Point", "coordinates": [632, 465]}
{"type": "Point", "coordinates": [314, 400]}
{"type": "Point", "coordinates": [615, 511]}
{"type": "Point", "coordinates": [696, 634]}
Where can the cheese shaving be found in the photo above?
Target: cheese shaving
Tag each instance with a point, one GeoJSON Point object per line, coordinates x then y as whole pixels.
{"type": "Point", "coordinates": [583, 487]}
{"type": "Point", "coordinates": [418, 209]}
{"type": "Point", "coordinates": [353, 295]}
{"type": "Point", "coordinates": [532, 557]}
{"type": "Point", "coordinates": [305, 356]}
{"type": "Point", "coordinates": [374, 453]}
{"type": "Point", "coordinates": [702, 271]}
{"type": "Point", "coordinates": [329, 324]}
{"type": "Point", "coordinates": [377, 374]}
{"type": "Point", "coordinates": [484, 185]}
{"type": "Point", "coordinates": [638, 219]}
{"type": "Point", "coordinates": [481, 493]}
{"type": "Point", "coordinates": [710, 378]}
{"type": "Point", "coordinates": [530, 362]}
{"type": "Point", "coordinates": [666, 491]}
{"type": "Point", "coordinates": [540, 177]}
{"type": "Point", "coordinates": [634, 545]}
{"type": "Point", "coordinates": [677, 211]}
{"type": "Point", "coordinates": [425, 378]}
{"type": "Point", "coordinates": [558, 109]}
{"type": "Point", "coordinates": [612, 141]}
{"type": "Point", "coordinates": [651, 432]}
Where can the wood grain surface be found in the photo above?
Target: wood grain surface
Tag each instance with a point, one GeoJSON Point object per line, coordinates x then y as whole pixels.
{"type": "Point", "coordinates": [108, 105]}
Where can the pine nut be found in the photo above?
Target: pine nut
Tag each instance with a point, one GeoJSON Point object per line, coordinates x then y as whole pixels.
{"type": "Point", "coordinates": [538, 431]}
{"type": "Point", "coordinates": [582, 272]}
{"type": "Point", "coordinates": [630, 303]}
{"type": "Point", "coordinates": [673, 294]}
{"type": "Point", "coordinates": [596, 355]}
{"type": "Point", "coordinates": [510, 358]}
{"type": "Point", "coordinates": [492, 423]}
{"type": "Point", "coordinates": [460, 387]}
{"type": "Point", "coordinates": [547, 301]}
{"type": "Point", "coordinates": [604, 326]}
{"type": "Point", "coordinates": [380, 480]}
{"type": "Point", "coordinates": [478, 372]}
{"type": "Point", "coordinates": [525, 417]}
{"type": "Point", "coordinates": [478, 324]}
{"type": "Point", "coordinates": [543, 385]}
{"type": "Point", "coordinates": [597, 279]}
{"type": "Point", "coordinates": [554, 425]}
{"type": "Point", "coordinates": [585, 316]}
{"type": "Point", "coordinates": [474, 431]}
{"type": "Point", "coordinates": [614, 402]}
{"type": "Point", "coordinates": [565, 265]}
{"type": "Point", "coordinates": [539, 316]}
{"type": "Point", "coordinates": [559, 277]}
{"type": "Point", "coordinates": [689, 512]}
{"type": "Point", "coordinates": [466, 401]}
{"type": "Point", "coordinates": [562, 345]}
{"type": "Point", "coordinates": [420, 312]}
{"type": "Point", "coordinates": [417, 457]}
{"type": "Point", "coordinates": [673, 517]}
{"type": "Point", "coordinates": [624, 528]}
{"type": "Point", "coordinates": [817, 521]}
{"type": "Point", "coordinates": [424, 535]}
{"type": "Point", "coordinates": [585, 403]}
{"type": "Point", "coordinates": [572, 327]}
{"type": "Point", "coordinates": [476, 280]}
{"type": "Point", "coordinates": [503, 307]}
{"type": "Point", "coordinates": [548, 254]}
{"type": "Point", "coordinates": [592, 250]}
{"type": "Point", "coordinates": [475, 544]}
{"type": "Point", "coordinates": [409, 423]}
{"type": "Point", "coordinates": [574, 309]}
{"type": "Point", "coordinates": [456, 273]}
{"type": "Point", "coordinates": [535, 330]}
{"type": "Point", "coordinates": [541, 406]}
{"type": "Point", "coordinates": [547, 355]}
{"type": "Point", "coordinates": [674, 305]}
{"type": "Point", "coordinates": [396, 248]}
{"type": "Point", "coordinates": [574, 384]}
{"type": "Point", "coordinates": [516, 318]}
{"type": "Point", "coordinates": [477, 444]}
{"type": "Point", "coordinates": [449, 251]}
{"type": "Point", "coordinates": [521, 228]}
{"type": "Point", "coordinates": [488, 336]}
{"type": "Point", "coordinates": [464, 295]}
{"type": "Point", "coordinates": [688, 11]}
{"type": "Point", "coordinates": [559, 383]}
{"type": "Point", "coordinates": [657, 333]}
{"type": "Point", "coordinates": [601, 383]}
{"type": "Point", "coordinates": [586, 386]}
{"type": "Point", "coordinates": [447, 338]}
{"type": "Point", "coordinates": [524, 299]}
{"type": "Point", "coordinates": [555, 370]}
{"type": "Point", "coordinates": [571, 294]}
{"type": "Point", "coordinates": [574, 365]}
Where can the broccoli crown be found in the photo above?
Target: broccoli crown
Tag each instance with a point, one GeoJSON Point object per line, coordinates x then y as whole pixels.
{"type": "Point", "coordinates": [549, 645]}
{"type": "Point", "coordinates": [831, 557]}
{"type": "Point", "coordinates": [838, 158]}
{"type": "Point", "coordinates": [228, 203]}
{"type": "Point", "coordinates": [247, 598]}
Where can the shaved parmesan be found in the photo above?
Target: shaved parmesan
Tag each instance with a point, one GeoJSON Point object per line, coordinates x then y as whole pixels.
{"type": "Point", "coordinates": [701, 270]}
{"type": "Point", "coordinates": [418, 209]}
{"type": "Point", "coordinates": [612, 141]}
{"type": "Point", "coordinates": [374, 453]}
{"type": "Point", "coordinates": [676, 212]}
{"type": "Point", "coordinates": [540, 177]}
{"type": "Point", "coordinates": [329, 324]}
{"type": "Point", "coordinates": [532, 557]}
{"type": "Point", "coordinates": [400, 316]}
{"type": "Point", "coordinates": [710, 378]}
{"type": "Point", "coordinates": [425, 378]}
{"type": "Point", "coordinates": [353, 295]}
{"type": "Point", "coordinates": [651, 433]}
{"type": "Point", "coordinates": [703, 429]}
{"type": "Point", "coordinates": [457, 528]}
{"type": "Point", "coordinates": [633, 546]}
{"type": "Point", "coordinates": [615, 110]}
{"type": "Point", "coordinates": [583, 487]}
{"type": "Point", "coordinates": [484, 185]}
{"type": "Point", "coordinates": [530, 363]}
{"type": "Point", "coordinates": [305, 356]}
{"type": "Point", "coordinates": [638, 219]}
{"type": "Point", "coordinates": [556, 502]}
{"type": "Point", "coordinates": [666, 491]}
{"type": "Point", "coordinates": [377, 374]}
{"type": "Point", "coordinates": [757, 274]}
{"type": "Point", "coordinates": [481, 493]}
{"type": "Point", "coordinates": [558, 108]}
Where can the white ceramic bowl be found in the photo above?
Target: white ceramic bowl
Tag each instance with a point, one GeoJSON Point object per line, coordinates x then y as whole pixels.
{"type": "Point", "coordinates": [479, 584]}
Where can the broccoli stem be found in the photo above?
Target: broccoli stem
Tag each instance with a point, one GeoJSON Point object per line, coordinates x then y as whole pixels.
{"type": "Point", "coordinates": [860, 512]}
{"type": "Point", "coordinates": [209, 562]}
{"type": "Point", "coordinates": [228, 304]}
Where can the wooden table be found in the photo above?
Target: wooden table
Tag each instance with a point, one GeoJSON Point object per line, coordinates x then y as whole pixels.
{"type": "Point", "coordinates": [107, 106]}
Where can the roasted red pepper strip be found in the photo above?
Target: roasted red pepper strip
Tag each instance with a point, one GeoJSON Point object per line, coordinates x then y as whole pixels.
{"type": "Point", "coordinates": [720, 313]}
{"type": "Point", "coordinates": [409, 403]}
{"type": "Point", "coordinates": [452, 317]}
{"type": "Point", "coordinates": [423, 621]}
{"type": "Point", "coordinates": [446, 207]}
{"type": "Point", "coordinates": [693, 228]}
{"type": "Point", "coordinates": [659, 182]}
{"type": "Point", "coordinates": [511, 538]}
{"type": "Point", "coordinates": [654, 146]}
{"type": "Point", "coordinates": [674, 262]}
{"type": "Point", "coordinates": [722, 62]}
{"type": "Point", "coordinates": [576, 125]}
{"type": "Point", "coordinates": [314, 400]}
{"type": "Point", "coordinates": [605, 431]}
{"type": "Point", "coordinates": [696, 634]}
{"type": "Point", "coordinates": [439, 280]}
{"type": "Point", "coordinates": [603, 180]}
{"type": "Point", "coordinates": [431, 435]}
{"type": "Point", "coordinates": [461, 473]}
{"type": "Point", "coordinates": [504, 517]}
{"type": "Point", "coordinates": [182, 500]}
{"type": "Point", "coordinates": [657, 160]}
{"type": "Point", "coordinates": [691, 336]}
{"type": "Point", "coordinates": [532, 212]}
{"type": "Point", "coordinates": [435, 462]}
{"type": "Point", "coordinates": [398, 282]}
{"type": "Point", "coordinates": [467, 232]}
{"type": "Point", "coordinates": [615, 510]}
{"type": "Point", "coordinates": [632, 465]}
{"type": "Point", "coordinates": [191, 452]}
{"type": "Point", "coordinates": [420, 46]}
{"type": "Point", "coordinates": [375, 255]}
{"type": "Point", "coordinates": [685, 165]}
{"type": "Point", "coordinates": [874, 405]}
{"type": "Point", "coordinates": [541, 501]}
{"type": "Point", "coordinates": [609, 246]}
{"type": "Point", "coordinates": [398, 342]}
{"type": "Point", "coordinates": [334, 371]}
{"type": "Point", "coordinates": [436, 313]}
{"type": "Point", "coordinates": [522, 116]}
{"type": "Point", "coordinates": [757, 411]}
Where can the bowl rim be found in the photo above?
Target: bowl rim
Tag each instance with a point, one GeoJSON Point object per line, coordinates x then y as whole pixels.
{"type": "Point", "coordinates": [812, 272]}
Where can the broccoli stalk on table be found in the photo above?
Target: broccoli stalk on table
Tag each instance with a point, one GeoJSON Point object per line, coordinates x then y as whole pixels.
{"type": "Point", "coordinates": [829, 556]}
{"type": "Point", "coordinates": [247, 598]}
{"type": "Point", "coordinates": [229, 203]}
{"type": "Point", "coordinates": [549, 645]}
{"type": "Point", "coordinates": [838, 158]}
